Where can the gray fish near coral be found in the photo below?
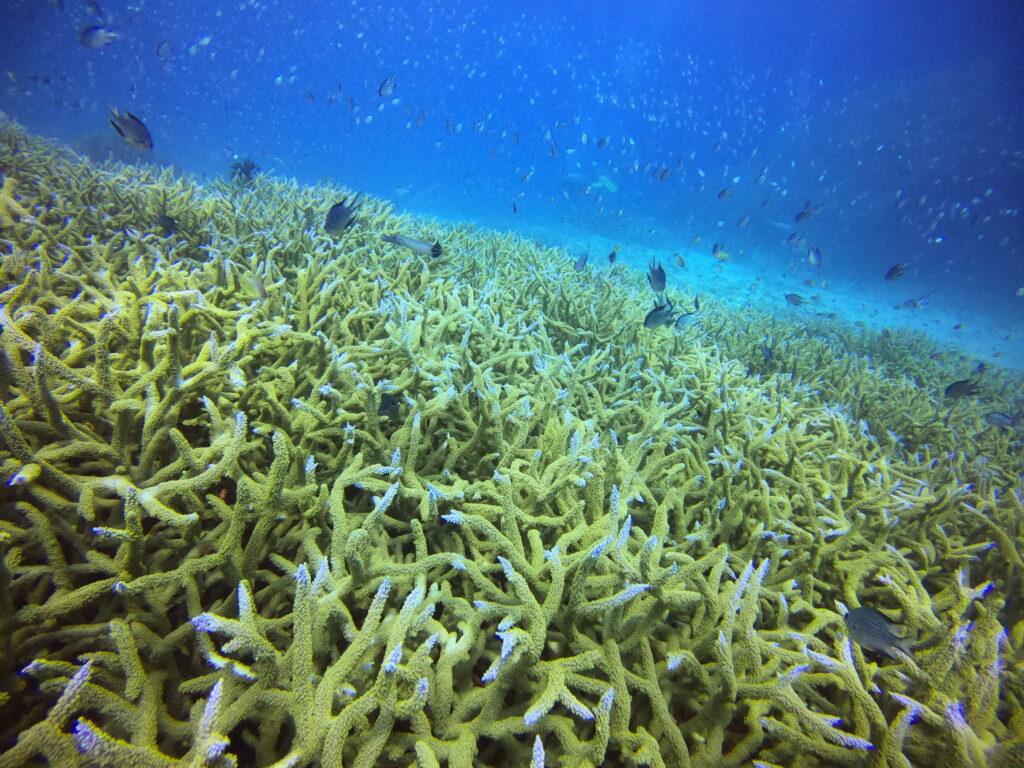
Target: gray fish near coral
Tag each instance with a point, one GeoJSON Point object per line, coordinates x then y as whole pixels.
{"type": "Point", "coordinates": [656, 277]}
{"type": "Point", "coordinates": [388, 405]}
{"type": "Point", "coordinates": [870, 629]}
{"type": "Point", "coordinates": [580, 264]}
{"type": "Point", "coordinates": [418, 246]}
{"type": "Point", "coordinates": [168, 224]}
{"type": "Point", "coordinates": [795, 299]}
{"type": "Point", "coordinates": [131, 129]}
{"type": "Point", "coordinates": [96, 36]}
{"type": "Point", "coordinates": [664, 314]}
{"type": "Point", "coordinates": [1005, 420]}
{"type": "Point", "coordinates": [960, 389]}
{"type": "Point", "coordinates": [342, 214]}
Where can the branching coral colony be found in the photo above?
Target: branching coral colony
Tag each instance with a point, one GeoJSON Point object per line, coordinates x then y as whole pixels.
{"type": "Point", "coordinates": [392, 511]}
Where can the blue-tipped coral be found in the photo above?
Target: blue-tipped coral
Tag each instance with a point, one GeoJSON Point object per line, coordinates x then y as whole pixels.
{"type": "Point", "coordinates": [565, 539]}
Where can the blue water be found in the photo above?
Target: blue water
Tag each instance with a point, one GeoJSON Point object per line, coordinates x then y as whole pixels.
{"type": "Point", "coordinates": [902, 121]}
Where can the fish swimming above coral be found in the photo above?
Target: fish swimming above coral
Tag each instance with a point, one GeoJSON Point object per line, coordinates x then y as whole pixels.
{"type": "Point", "coordinates": [244, 171]}
{"type": "Point", "coordinates": [417, 246]}
{"type": "Point", "coordinates": [656, 277]}
{"type": "Point", "coordinates": [870, 629]}
{"type": "Point", "coordinates": [664, 314]}
{"type": "Point", "coordinates": [814, 256]}
{"type": "Point", "coordinates": [342, 214]}
{"type": "Point", "coordinates": [1005, 421]}
{"type": "Point", "coordinates": [795, 299]}
{"type": "Point", "coordinates": [961, 389]}
{"type": "Point", "coordinates": [131, 129]}
{"type": "Point", "coordinates": [580, 264]}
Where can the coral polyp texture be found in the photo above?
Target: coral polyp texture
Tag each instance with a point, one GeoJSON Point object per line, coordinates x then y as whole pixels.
{"type": "Point", "coordinates": [277, 498]}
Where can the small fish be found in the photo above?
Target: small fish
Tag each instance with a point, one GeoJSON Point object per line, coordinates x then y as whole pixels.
{"type": "Point", "coordinates": [680, 260]}
{"type": "Point", "coordinates": [342, 214]}
{"type": "Point", "coordinates": [768, 351]}
{"type": "Point", "coordinates": [613, 255]}
{"type": "Point", "coordinates": [656, 277]}
{"type": "Point", "coordinates": [896, 271]}
{"type": "Point", "coordinates": [257, 285]}
{"type": "Point", "coordinates": [388, 405]}
{"type": "Point", "coordinates": [717, 248]}
{"type": "Point", "coordinates": [387, 86]}
{"type": "Point", "coordinates": [809, 209]}
{"type": "Point", "coordinates": [870, 629]}
{"type": "Point", "coordinates": [665, 173]}
{"type": "Point", "coordinates": [167, 223]}
{"type": "Point", "coordinates": [96, 36]}
{"type": "Point", "coordinates": [919, 303]}
{"type": "Point", "coordinates": [686, 319]}
{"type": "Point", "coordinates": [662, 314]}
{"type": "Point", "coordinates": [796, 299]}
{"type": "Point", "coordinates": [163, 50]}
{"type": "Point", "coordinates": [515, 208]}
{"type": "Point", "coordinates": [131, 129]}
{"type": "Point", "coordinates": [961, 389]}
{"type": "Point", "coordinates": [743, 222]}
{"type": "Point", "coordinates": [762, 177]}
{"type": "Point", "coordinates": [580, 264]}
{"type": "Point", "coordinates": [814, 257]}
{"type": "Point", "coordinates": [1005, 421]}
{"type": "Point", "coordinates": [417, 246]}
{"type": "Point", "coordinates": [725, 194]}
{"type": "Point", "coordinates": [797, 240]}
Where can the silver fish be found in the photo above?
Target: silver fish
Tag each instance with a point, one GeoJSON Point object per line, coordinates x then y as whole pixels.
{"type": "Point", "coordinates": [1005, 420]}
{"type": "Point", "coordinates": [417, 246]}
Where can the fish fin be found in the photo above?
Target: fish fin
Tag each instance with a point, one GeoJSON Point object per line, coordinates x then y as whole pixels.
{"type": "Point", "coordinates": [117, 128]}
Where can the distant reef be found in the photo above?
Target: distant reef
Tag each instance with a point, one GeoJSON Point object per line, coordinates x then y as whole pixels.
{"type": "Point", "coordinates": [273, 497]}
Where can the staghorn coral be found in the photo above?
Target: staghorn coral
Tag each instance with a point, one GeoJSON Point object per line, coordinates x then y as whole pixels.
{"type": "Point", "coordinates": [575, 540]}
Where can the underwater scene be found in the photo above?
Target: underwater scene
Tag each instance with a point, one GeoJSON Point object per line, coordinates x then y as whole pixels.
{"type": "Point", "coordinates": [409, 385]}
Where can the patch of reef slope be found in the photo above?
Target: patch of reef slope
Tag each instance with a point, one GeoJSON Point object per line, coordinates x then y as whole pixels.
{"type": "Point", "coordinates": [281, 498]}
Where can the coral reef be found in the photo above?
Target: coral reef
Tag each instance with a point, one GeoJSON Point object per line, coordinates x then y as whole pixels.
{"type": "Point", "coordinates": [274, 498]}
